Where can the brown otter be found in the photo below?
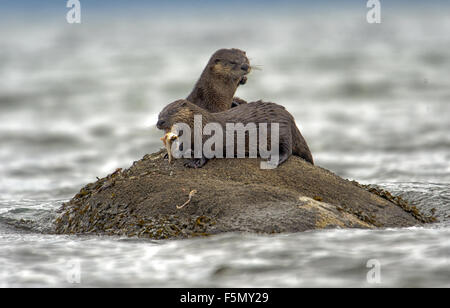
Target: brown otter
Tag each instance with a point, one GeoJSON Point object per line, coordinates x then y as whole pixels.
{"type": "Point", "coordinates": [225, 71]}
{"type": "Point", "coordinates": [291, 140]}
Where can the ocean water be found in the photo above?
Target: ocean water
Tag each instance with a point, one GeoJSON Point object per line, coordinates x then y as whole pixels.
{"type": "Point", "coordinates": [79, 101]}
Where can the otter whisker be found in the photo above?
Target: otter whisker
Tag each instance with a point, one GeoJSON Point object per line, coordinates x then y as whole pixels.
{"type": "Point", "coordinates": [256, 67]}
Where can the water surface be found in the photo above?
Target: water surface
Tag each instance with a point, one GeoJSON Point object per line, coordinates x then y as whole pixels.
{"type": "Point", "coordinates": [373, 102]}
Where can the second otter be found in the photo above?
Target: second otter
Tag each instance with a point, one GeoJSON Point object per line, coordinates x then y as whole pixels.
{"type": "Point", "coordinates": [225, 71]}
{"type": "Point", "coordinates": [291, 140]}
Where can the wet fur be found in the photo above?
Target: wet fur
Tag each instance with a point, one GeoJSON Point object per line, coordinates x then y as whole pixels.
{"type": "Point", "coordinates": [291, 141]}
{"type": "Point", "coordinates": [215, 89]}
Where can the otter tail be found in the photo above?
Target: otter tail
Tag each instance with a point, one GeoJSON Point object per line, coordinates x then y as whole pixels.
{"type": "Point", "coordinates": [299, 145]}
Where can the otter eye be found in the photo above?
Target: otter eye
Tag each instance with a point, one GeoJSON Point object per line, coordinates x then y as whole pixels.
{"type": "Point", "coordinates": [233, 62]}
{"type": "Point", "coordinates": [217, 61]}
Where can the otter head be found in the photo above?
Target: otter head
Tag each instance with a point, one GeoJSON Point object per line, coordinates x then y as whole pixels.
{"type": "Point", "coordinates": [230, 65]}
{"type": "Point", "coordinates": [179, 111]}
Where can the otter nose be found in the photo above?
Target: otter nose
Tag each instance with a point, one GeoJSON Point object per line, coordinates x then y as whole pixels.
{"type": "Point", "coordinates": [245, 67]}
{"type": "Point", "coordinates": [160, 124]}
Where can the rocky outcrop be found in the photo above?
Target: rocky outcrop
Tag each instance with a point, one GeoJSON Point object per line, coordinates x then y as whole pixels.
{"type": "Point", "coordinates": [227, 195]}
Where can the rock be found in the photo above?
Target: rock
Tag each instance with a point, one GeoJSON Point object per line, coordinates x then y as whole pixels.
{"type": "Point", "coordinates": [232, 195]}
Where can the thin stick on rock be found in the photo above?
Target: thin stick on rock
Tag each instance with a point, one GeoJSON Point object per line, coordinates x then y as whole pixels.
{"type": "Point", "coordinates": [191, 194]}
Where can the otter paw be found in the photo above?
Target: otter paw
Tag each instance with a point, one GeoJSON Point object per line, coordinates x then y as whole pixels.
{"type": "Point", "coordinates": [196, 163]}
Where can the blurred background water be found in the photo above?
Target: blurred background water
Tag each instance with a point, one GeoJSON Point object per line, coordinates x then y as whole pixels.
{"type": "Point", "coordinates": [79, 101]}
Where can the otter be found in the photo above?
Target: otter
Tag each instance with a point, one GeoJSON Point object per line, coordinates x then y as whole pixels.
{"type": "Point", "coordinates": [225, 71]}
{"type": "Point", "coordinates": [291, 141]}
